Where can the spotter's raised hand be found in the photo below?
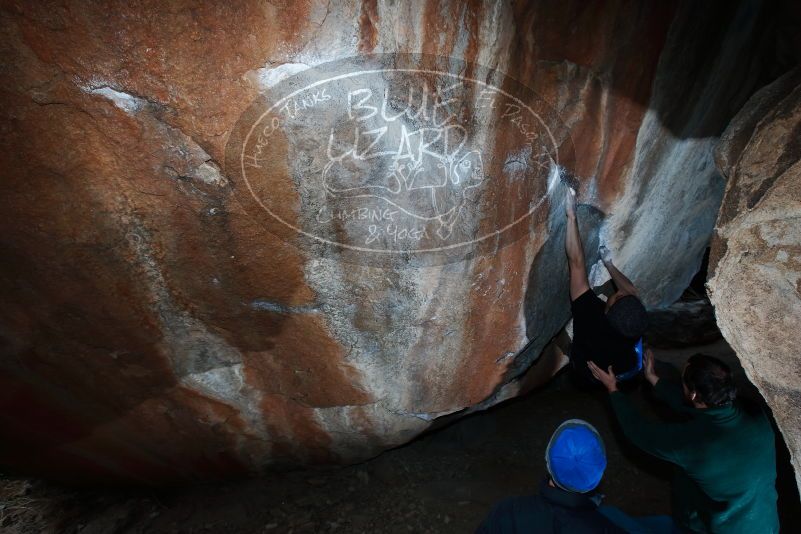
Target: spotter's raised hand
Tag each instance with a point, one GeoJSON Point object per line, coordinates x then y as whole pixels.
{"type": "Point", "coordinates": [607, 378]}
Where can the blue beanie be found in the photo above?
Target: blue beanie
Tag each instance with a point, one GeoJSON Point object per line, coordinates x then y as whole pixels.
{"type": "Point", "coordinates": [575, 456]}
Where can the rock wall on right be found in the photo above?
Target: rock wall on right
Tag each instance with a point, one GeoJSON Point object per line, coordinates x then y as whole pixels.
{"type": "Point", "coordinates": [755, 262]}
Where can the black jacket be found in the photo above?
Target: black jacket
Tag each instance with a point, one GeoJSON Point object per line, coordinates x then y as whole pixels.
{"type": "Point", "coordinates": [553, 510]}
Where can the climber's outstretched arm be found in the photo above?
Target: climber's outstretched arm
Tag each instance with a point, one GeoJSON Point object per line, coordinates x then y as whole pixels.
{"type": "Point", "coordinates": [621, 281]}
{"type": "Point", "coordinates": [579, 283]}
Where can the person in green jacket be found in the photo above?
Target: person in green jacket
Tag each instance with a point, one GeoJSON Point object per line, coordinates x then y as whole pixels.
{"type": "Point", "coordinates": [724, 455]}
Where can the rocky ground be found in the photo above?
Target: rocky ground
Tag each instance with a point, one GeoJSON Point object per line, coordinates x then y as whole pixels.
{"type": "Point", "coordinates": [444, 482]}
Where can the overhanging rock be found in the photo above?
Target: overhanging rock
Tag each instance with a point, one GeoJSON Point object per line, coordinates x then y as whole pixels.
{"type": "Point", "coordinates": [157, 324]}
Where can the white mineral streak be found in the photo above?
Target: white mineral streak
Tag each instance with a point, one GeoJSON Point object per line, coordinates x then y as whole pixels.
{"type": "Point", "coordinates": [126, 102]}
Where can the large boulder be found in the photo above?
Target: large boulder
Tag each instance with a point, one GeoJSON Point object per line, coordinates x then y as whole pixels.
{"type": "Point", "coordinates": [756, 254]}
{"type": "Point", "coordinates": [167, 314]}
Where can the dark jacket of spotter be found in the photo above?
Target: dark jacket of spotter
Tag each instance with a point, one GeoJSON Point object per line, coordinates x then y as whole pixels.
{"type": "Point", "coordinates": [552, 511]}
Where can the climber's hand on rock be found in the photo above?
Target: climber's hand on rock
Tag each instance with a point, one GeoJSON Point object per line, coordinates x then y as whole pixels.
{"type": "Point", "coordinates": [607, 378]}
{"type": "Point", "coordinates": [570, 203]}
{"type": "Point", "coordinates": [648, 367]}
{"type": "Point", "coordinates": [605, 253]}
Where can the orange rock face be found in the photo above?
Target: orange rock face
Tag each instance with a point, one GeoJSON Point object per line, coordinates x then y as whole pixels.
{"type": "Point", "coordinates": [158, 325]}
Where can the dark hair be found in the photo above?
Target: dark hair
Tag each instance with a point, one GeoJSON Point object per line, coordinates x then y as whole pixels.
{"type": "Point", "coordinates": [710, 379]}
{"type": "Point", "coordinates": [628, 316]}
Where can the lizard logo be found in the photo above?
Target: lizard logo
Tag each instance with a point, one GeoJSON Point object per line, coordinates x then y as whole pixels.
{"type": "Point", "coordinates": [386, 156]}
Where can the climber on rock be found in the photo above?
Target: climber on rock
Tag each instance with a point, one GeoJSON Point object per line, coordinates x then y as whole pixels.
{"type": "Point", "coordinates": [724, 452]}
{"type": "Point", "coordinates": [609, 333]}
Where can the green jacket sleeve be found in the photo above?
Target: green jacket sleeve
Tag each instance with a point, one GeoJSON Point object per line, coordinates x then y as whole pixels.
{"type": "Point", "coordinates": [656, 438]}
{"type": "Point", "coordinates": [671, 394]}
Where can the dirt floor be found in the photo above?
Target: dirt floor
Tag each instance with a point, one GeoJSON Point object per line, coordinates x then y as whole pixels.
{"type": "Point", "coordinates": [445, 481]}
